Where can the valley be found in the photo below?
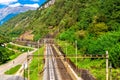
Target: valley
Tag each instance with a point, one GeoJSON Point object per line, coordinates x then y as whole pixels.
{"type": "Point", "coordinates": [83, 36]}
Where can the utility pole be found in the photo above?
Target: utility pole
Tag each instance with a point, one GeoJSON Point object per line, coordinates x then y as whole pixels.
{"type": "Point", "coordinates": [24, 71]}
{"type": "Point", "coordinates": [38, 47]}
{"type": "Point", "coordinates": [28, 65]}
{"type": "Point", "coordinates": [107, 56]}
{"type": "Point", "coordinates": [38, 59]}
{"type": "Point", "coordinates": [76, 52]}
{"type": "Point", "coordinates": [58, 33]}
{"type": "Point", "coordinates": [66, 49]}
{"type": "Point", "coordinates": [110, 71]}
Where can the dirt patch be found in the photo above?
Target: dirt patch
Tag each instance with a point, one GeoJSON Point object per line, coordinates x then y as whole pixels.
{"type": "Point", "coordinates": [27, 36]}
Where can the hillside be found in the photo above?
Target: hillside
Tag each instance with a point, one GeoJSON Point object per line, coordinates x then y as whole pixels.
{"type": "Point", "coordinates": [17, 25]}
{"type": "Point", "coordinates": [94, 24]}
{"type": "Point", "coordinates": [3, 39]}
{"type": "Point", "coordinates": [7, 13]}
{"type": "Point", "coordinates": [4, 52]}
{"type": "Point", "coordinates": [27, 36]}
{"type": "Point", "coordinates": [9, 16]}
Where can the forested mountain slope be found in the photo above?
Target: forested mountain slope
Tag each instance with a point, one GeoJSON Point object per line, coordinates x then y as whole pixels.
{"type": "Point", "coordinates": [94, 24]}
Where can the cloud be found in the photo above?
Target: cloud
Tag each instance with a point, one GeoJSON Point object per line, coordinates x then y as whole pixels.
{"type": "Point", "coordinates": [15, 5]}
{"type": "Point", "coordinates": [7, 2]}
{"type": "Point", "coordinates": [32, 5]}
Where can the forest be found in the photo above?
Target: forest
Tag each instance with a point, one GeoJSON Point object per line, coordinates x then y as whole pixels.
{"type": "Point", "coordinates": [94, 24]}
{"type": "Point", "coordinates": [4, 52]}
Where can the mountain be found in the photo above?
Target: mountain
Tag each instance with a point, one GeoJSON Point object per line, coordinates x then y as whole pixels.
{"type": "Point", "coordinates": [9, 12]}
{"type": "Point", "coordinates": [9, 16]}
{"type": "Point", "coordinates": [94, 24]}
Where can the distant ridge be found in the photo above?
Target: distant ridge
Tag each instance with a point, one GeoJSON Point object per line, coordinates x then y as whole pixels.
{"type": "Point", "coordinates": [9, 12]}
{"type": "Point", "coordinates": [9, 16]}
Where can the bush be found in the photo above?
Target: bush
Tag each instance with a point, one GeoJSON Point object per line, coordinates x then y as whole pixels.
{"type": "Point", "coordinates": [98, 28]}
{"type": "Point", "coordinates": [5, 54]}
{"type": "Point", "coordinates": [68, 35]}
{"type": "Point", "coordinates": [81, 34]}
{"type": "Point", "coordinates": [109, 41]}
{"type": "Point", "coordinates": [115, 55]}
{"type": "Point", "coordinates": [21, 49]}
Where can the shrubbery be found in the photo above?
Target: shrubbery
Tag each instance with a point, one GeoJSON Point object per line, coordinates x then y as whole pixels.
{"type": "Point", "coordinates": [20, 49]}
{"type": "Point", "coordinates": [5, 54]}
{"type": "Point", "coordinates": [94, 24]}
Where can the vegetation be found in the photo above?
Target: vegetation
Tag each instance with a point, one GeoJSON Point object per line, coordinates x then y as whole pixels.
{"type": "Point", "coordinates": [16, 25]}
{"type": "Point", "coordinates": [3, 39]}
{"type": "Point", "coordinates": [95, 66]}
{"type": "Point", "coordinates": [35, 71]}
{"type": "Point", "coordinates": [10, 52]}
{"type": "Point", "coordinates": [18, 48]}
{"type": "Point", "coordinates": [4, 52]}
{"type": "Point", "coordinates": [94, 24]}
{"type": "Point", "coordinates": [13, 70]}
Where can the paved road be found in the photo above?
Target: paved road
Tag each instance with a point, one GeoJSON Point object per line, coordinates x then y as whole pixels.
{"type": "Point", "coordinates": [11, 77]}
{"type": "Point", "coordinates": [21, 59]}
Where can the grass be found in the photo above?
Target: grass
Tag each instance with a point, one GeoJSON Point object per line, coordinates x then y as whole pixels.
{"type": "Point", "coordinates": [15, 51]}
{"type": "Point", "coordinates": [95, 66]}
{"type": "Point", "coordinates": [116, 74]}
{"type": "Point", "coordinates": [35, 69]}
{"type": "Point", "coordinates": [14, 56]}
{"type": "Point", "coordinates": [18, 48]}
{"type": "Point", "coordinates": [13, 70]}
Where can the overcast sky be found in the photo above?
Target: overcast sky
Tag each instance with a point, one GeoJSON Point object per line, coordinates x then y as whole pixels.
{"type": "Point", "coordinates": [14, 3]}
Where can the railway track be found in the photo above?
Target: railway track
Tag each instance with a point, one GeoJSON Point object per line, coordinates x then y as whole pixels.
{"type": "Point", "coordinates": [51, 72]}
{"type": "Point", "coordinates": [62, 69]}
{"type": "Point", "coordinates": [54, 66]}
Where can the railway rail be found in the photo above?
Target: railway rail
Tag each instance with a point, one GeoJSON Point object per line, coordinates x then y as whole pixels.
{"type": "Point", "coordinates": [55, 65]}
{"type": "Point", "coordinates": [62, 69]}
{"type": "Point", "coordinates": [51, 72]}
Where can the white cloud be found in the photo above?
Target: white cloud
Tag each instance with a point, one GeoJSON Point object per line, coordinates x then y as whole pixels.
{"type": "Point", "coordinates": [32, 5]}
{"type": "Point", "coordinates": [15, 5]}
{"type": "Point", "coordinates": [7, 2]}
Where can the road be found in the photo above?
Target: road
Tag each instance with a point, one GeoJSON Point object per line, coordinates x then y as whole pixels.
{"type": "Point", "coordinates": [21, 59]}
{"type": "Point", "coordinates": [11, 77]}
{"type": "Point", "coordinates": [54, 69]}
